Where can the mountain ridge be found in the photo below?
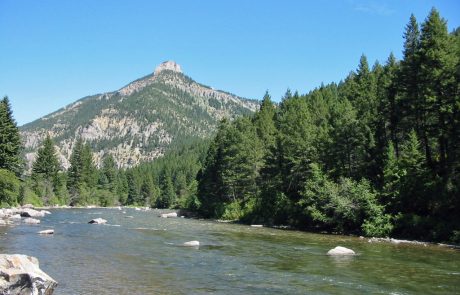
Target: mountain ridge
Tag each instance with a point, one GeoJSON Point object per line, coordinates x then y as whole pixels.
{"type": "Point", "coordinates": [139, 121]}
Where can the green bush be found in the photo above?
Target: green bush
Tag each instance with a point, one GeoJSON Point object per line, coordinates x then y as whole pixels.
{"type": "Point", "coordinates": [9, 188]}
{"type": "Point", "coordinates": [378, 226]}
{"type": "Point", "coordinates": [344, 206]}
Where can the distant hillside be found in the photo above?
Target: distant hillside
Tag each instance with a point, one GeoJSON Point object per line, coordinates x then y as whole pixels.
{"type": "Point", "coordinates": [140, 121]}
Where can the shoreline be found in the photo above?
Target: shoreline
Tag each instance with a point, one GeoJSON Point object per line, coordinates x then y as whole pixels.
{"type": "Point", "coordinates": [191, 215]}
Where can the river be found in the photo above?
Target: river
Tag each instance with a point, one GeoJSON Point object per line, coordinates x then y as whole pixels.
{"type": "Point", "coordinates": [140, 253]}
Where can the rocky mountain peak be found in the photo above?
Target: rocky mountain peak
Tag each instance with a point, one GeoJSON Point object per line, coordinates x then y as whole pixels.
{"type": "Point", "coordinates": [168, 65]}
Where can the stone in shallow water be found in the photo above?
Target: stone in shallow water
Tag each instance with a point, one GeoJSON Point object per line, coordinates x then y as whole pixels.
{"type": "Point", "coordinates": [31, 221]}
{"type": "Point", "coordinates": [340, 251]}
{"type": "Point", "coordinates": [169, 215]}
{"type": "Point", "coordinates": [192, 243]}
{"type": "Point", "coordinates": [46, 232]}
{"type": "Point", "coordinates": [20, 274]}
{"type": "Point", "coordinates": [98, 221]}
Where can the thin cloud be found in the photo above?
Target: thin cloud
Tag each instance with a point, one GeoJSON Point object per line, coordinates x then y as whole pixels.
{"type": "Point", "coordinates": [372, 7]}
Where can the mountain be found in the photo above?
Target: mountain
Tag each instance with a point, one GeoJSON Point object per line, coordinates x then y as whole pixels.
{"type": "Point", "coordinates": [140, 121]}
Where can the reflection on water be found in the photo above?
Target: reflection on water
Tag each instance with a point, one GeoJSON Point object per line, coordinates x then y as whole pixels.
{"type": "Point", "coordinates": [145, 255]}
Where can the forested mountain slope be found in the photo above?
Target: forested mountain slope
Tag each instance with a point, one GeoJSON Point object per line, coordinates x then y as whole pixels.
{"type": "Point", "coordinates": [140, 121]}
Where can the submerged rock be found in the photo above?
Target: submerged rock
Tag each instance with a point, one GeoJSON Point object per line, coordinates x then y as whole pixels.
{"type": "Point", "coordinates": [46, 232]}
{"type": "Point", "coordinates": [192, 244]}
{"type": "Point", "coordinates": [31, 221]}
{"type": "Point", "coordinates": [340, 251]}
{"type": "Point", "coordinates": [169, 215]}
{"type": "Point", "coordinates": [98, 221]}
{"type": "Point", "coordinates": [20, 274]}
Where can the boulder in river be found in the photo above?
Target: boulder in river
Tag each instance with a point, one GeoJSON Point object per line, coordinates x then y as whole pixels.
{"type": "Point", "coordinates": [31, 221]}
{"type": "Point", "coordinates": [46, 232]}
{"type": "Point", "coordinates": [98, 221]}
{"type": "Point", "coordinates": [169, 215]}
{"type": "Point", "coordinates": [340, 251]}
{"type": "Point", "coordinates": [15, 216]}
{"type": "Point", "coordinates": [192, 244]}
{"type": "Point", "coordinates": [31, 213]}
{"type": "Point", "coordinates": [20, 274]}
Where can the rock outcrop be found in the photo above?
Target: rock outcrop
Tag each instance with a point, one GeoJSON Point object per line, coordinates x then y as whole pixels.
{"type": "Point", "coordinates": [20, 274]}
{"type": "Point", "coordinates": [168, 65]}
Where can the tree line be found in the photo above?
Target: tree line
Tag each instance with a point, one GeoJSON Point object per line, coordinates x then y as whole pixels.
{"type": "Point", "coordinates": [377, 154]}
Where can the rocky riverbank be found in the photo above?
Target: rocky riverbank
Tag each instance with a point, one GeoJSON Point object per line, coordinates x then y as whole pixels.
{"type": "Point", "coordinates": [20, 274]}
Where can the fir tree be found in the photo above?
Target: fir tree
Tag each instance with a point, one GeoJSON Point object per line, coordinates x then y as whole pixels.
{"type": "Point", "coordinates": [10, 141]}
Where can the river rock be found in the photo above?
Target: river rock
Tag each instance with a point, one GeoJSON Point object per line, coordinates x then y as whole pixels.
{"type": "Point", "coordinates": [15, 217]}
{"type": "Point", "coordinates": [8, 212]}
{"type": "Point", "coordinates": [340, 251]}
{"type": "Point", "coordinates": [46, 212]}
{"type": "Point", "coordinates": [192, 243]}
{"type": "Point", "coordinates": [31, 213]}
{"type": "Point", "coordinates": [20, 274]}
{"type": "Point", "coordinates": [31, 221]}
{"type": "Point", "coordinates": [46, 232]}
{"type": "Point", "coordinates": [27, 206]}
{"type": "Point", "coordinates": [3, 222]}
{"type": "Point", "coordinates": [169, 215]}
{"type": "Point", "coordinates": [98, 221]}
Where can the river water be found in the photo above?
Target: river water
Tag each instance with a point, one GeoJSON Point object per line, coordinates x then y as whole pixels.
{"type": "Point", "coordinates": [140, 253]}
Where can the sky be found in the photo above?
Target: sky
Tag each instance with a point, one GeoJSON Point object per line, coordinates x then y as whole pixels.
{"type": "Point", "coordinates": [53, 53]}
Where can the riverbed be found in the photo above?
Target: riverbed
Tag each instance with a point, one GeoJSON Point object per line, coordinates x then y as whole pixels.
{"type": "Point", "coordinates": [137, 252]}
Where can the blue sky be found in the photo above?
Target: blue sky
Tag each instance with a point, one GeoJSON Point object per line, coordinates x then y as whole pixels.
{"type": "Point", "coordinates": [55, 52]}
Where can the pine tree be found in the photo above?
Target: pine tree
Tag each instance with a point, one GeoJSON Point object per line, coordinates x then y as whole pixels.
{"type": "Point", "coordinates": [10, 141]}
{"type": "Point", "coordinates": [133, 194]}
{"type": "Point", "coordinates": [89, 170]}
{"type": "Point", "coordinates": [47, 163]}
{"type": "Point", "coordinates": [264, 121]}
{"type": "Point", "coordinates": [76, 168]}
{"type": "Point", "coordinates": [109, 172]}
{"type": "Point", "coordinates": [438, 85]}
{"type": "Point", "coordinates": [45, 171]}
{"type": "Point", "coordinates": [409, 104]}
{"type": "Point", "coordinates": [392, 181]}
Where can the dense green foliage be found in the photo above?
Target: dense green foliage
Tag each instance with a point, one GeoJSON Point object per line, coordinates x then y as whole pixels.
{"type": "Point", "coordinates": [377, 154]}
